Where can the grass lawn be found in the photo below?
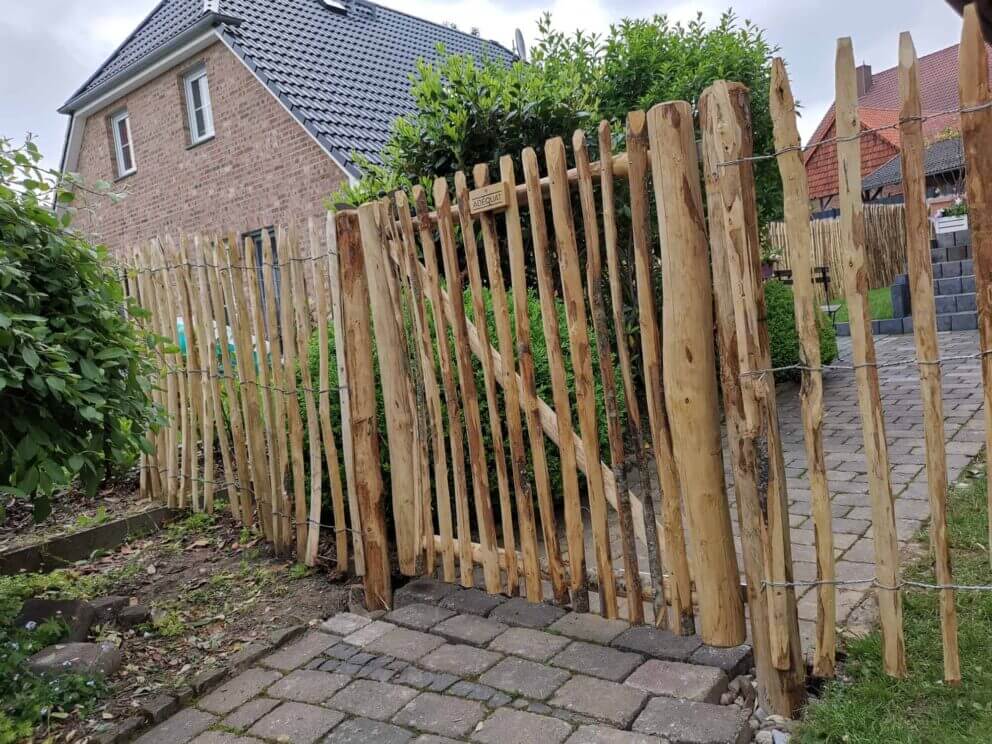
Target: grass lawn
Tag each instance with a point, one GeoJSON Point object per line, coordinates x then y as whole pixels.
{"type": "Point", "coordinates": [879, 302]}
{"type": "Point", "coordinates": [867, 706]}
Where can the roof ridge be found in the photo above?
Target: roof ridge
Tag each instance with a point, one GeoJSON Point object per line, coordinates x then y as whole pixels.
{"type": "Point", "coordinates": [436, 23]}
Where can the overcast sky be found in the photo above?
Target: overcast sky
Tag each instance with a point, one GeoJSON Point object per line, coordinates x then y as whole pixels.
{"type": "Point", "coordinates": [51, 46]}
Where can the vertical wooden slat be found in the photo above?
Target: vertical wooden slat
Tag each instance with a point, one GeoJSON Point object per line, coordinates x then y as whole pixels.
{"type": "Point", "coordinates": [489, 379]}
{"type": "Point", "coordinates": [395, 388]}
{"type": "Point", "coordinates": [166, 440]}
{"type": "Point", "coordinates": [334, 287]}
{"type": "Point", "coordinates": [193, 398]}
{"type": "Point", "coordinates": [307, 550]}
{"type": "Point", "coordinates": [528, 395]}
{"type": "Point", "coordinates": [604, 349]}
{"type": "Point", "coordinates": [925, 331]}
{"type": "Point", "coordinates": [319, 288]}
{"type": "Point", "coordinates": [976, 134]}
{"type": "Point", "coordinates": [581, 354]}
{"type": "Point", "coordinates": [863, 356]}
{"type": "Point", "coordinates": [676, 558]}
{"type": "Point", "coordinates": [690, 370]}
{"type": "Point", "coordinates": [574, 529]}
{"type": "Point", "coordinates": [797, 224]}
{"type": "Point", "coordinates": [433, 392]}
{"type": "Point", "coordinates": [473, 423]}
{"type": "Point", "coordinates": [282, 529]}
{"type": "Point", "coordinates": [142, 294]}
{"type": "Point", "coordinates": [452, 401]}
{"type": "Point", "coordinates": [511, 391]}
{"type": "Point", "coordinates": [177, 468]}
{"type": "Point", "coordinates": [357, 339]}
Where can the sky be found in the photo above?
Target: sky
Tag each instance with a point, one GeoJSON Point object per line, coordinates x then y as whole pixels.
{"type": "Point", "coordinates": [51, 46]}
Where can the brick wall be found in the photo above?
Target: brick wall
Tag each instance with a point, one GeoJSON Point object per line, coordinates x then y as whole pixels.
{"type": "Point", "coordinates": [821, 168]}
{"type": "Point", "coordinates": [260, 169]}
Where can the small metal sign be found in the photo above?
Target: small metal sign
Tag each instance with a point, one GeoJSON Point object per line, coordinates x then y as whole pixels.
{"type": "Point", "coordinates": [489, 198]}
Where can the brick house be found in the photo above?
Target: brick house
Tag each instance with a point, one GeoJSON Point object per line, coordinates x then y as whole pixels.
{"type": "Point", "coordinates": [219, 115]}
{"type": "Point", "coordinates": [878, 106]}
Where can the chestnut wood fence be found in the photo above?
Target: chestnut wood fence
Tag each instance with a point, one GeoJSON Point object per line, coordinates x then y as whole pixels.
{"type": "Point", "coordinates": [426, 296]}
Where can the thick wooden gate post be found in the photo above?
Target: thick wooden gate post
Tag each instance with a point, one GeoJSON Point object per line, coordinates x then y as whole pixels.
{"type": "Point", "coordinates": [365, 437]}
{"type": "Point", "coordinates": [754, 443]}
{"type": "Point", "coordinates": [690, 370]}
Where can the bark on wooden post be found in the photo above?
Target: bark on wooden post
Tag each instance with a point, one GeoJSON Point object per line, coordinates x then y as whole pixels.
{"type": "Point", "coordinates": [395, 389]}
{"type": "Point", "coordinates": [690, 370]}
{"type": "Point", "coordinates": [976, 133]}
{"type": "Point", "coordinates": [925, 331]}
{"type": "Point", "coordinates": [782, 692]}
{"type": "Point", "coordinates": [365, 445]}
{"type": "Point", "coordinates": [797, 223]}
{"type": "Point", "coordinates": [863, 356]}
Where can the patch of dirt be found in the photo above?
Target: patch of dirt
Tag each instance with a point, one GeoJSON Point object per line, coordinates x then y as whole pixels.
{"type": "Point", "coordinates": [212, 588]}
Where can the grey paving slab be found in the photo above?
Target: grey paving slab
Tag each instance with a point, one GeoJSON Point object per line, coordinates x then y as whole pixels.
{"type": "Point", "coordinates": [298, 653]}
{"type": "Point", "coordinates": [733, 661]}
{"type": "Point", "coordinates": [607, 735]}
{"type": "Point", "coordinates": [467, 661]}
{"type": "Point", "coordinates": [419, 616]}
{"type": "Point", "coordinates": [432, 739]}
{"type": "Point", "coordinates": [179, 729]}
{"type": "Point", "coordinates": [536, 645]}
{"type": "Point", "coordinates": [371, 632]}
{"type": "Point", "coordinates": [441, 714]}
{"type": "Point", "coordinates": [405, 644]}
{"type": "Point", "coordinates": [427, 590]}
{"type": "Point", "coordinates": [308, 686]}
{"type": "Point", "coordinates": [588, 627]}
{"type": "Point", "coordinates": [657, 643]}
{"type": "Point", "coordinates": [600, 699]}
{"type": "Point", "coordinates": [510, 726]}
{"type": "Point", "coordinates": [296, 722]}
{"type": "Point", "coordinates": [518, 611]}
{"type": "Point", "coordinates": [477, 631]}
{"type": "Point", "coordinates": [685, 722]}
{"type": "Point", "coordinates": [424, 680]}
{"type": "Point", "coordinates": [678, 680]}
{"type": "Point", "coordinates": [524, 677]}
{"type": "Point", "coordinates": [472, 602]}
{"type": "Point", "coordinates": [344, 623]}
{"type": "Point", "coordinates": [238, 691]}
{"type": "Point", "coordinates": [597, 660]}
{"type": "Point", "coordinates": [223, 737]}
{"type": "Point", "coordinates": [364, 731]}
{"type": "Point", "coordinates": [370, 699]}
{"type": "Point", "coordinates": [250, 712]}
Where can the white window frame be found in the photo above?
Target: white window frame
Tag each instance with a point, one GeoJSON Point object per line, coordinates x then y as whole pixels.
{"type": "Point", "coordinates": [115, 121]}
{"type": "Point", "coordinates": [206, 107]}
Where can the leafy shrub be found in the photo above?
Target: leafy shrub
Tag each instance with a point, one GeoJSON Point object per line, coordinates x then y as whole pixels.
{"type": "Point", "coordinates": [782, 329]}
{"type": "Point", "coordinates": [74, 370]}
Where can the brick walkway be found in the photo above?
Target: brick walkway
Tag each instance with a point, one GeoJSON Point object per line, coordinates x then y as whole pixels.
{"type": "Point", "coordinates": [460, 665]}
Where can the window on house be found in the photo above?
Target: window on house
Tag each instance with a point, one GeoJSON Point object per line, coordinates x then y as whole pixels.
{"type": "Point", "coordinates": [256, 239]}
{"type": "Point", "coordinates": [120, 123]}
{"type": "Point", "coordinates": [201, 116]}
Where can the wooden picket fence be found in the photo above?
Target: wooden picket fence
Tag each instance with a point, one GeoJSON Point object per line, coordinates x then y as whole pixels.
{"type": "Point", "coordinates": [885, 244]}
{"type": "Point", "coordinates": [426, 296]}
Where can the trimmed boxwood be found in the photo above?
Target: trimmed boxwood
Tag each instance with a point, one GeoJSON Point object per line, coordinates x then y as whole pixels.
{"type": "Point", "coordinates": [782, 330]}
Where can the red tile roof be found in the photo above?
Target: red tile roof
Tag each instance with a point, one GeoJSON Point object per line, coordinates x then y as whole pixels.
{"type": "Point", "coordinates": [879, 107]}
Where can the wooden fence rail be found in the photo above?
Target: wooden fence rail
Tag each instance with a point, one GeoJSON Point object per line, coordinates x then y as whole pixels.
{"type": "Point", "coordinates": [494, 412]}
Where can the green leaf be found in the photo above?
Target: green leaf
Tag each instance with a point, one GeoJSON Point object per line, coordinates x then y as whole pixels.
{"type": "Point", "coordinates": [89, 369]}
{"type": "Point", "coordinates": [76, 463]}
{"type": "Point", "coordinates": [30, 357]}
{"type": "Point", "coordinates": [56, 384]}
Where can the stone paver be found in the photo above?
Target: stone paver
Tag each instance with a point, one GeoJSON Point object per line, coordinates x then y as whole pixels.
{"type": "Point", "coordinates": [509, 726]}
{"type": "Point", "coordinates": [405, 644]}
{"type": "Point", "coordinates": [418, 616]}
{"type": "Point", "coordinates": [588, 627]}
{"type": "Point", "coordinates": [678, 680]}
{"type": "Point", "coordinates": [684, 722]}
{"type": "Point", "coordinates": [657, 643]}
{"type": "Point", "coordinates": [369, 699]}
{"type": "Point", "coordinates": [597, 698]}
{"type": "Point", "coordinates": [518, 611]}
{"type": "Point", "coordinates": [364, 731]}
{"type": "Point", "coordinates": [432, 739]}
{"type": "Point", "coordinates": [344, 623]}
{"type": "Point", "coordinates": [477, 631]}
{"type": "Point", "coordinates": [606, 735]}
{"type": "Point", "coordinates": [299, 652]}
{"type": "Point", "coordinates": [238, 691]}
{"type": "Point", "coordinates": [179, 729]}
{"type": "Point", "coordinates": [297, 722]}
{"type": "Point", "coordinates": [422, 680]}
{"type": "Point", "coordinates": [371, 632]}
{"type": "Point", "coordinates": [598, 661]}
{"type": "Point", "coordinates": [734, 661]}
{"type": "Point", "coordinates": [308, 686]}
{"type": "Point", "coordinates": [250, 712]}
{"type": "Point", "coordinates": [531, 644]}
{"type": "Point", "coordinates": [441, 714]}
{"type": "Point", "coordinates": [523, 677]}
{"type": "Point", "coordinates": [427, 590]}
{"type": "Point", "coordinates": [467, 661]}
{"type": "Point", "coordinates": [472, 602]}
{"type": "Point", "coordinates": [223, 737]}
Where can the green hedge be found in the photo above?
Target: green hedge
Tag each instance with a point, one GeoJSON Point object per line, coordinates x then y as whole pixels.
{"type": "Point", "coordinates": [782, 330]}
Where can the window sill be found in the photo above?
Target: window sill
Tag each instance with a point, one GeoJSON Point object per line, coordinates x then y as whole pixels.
{"type": "Point", "coordinates": [125, 176]}
{"type": "Point", "coordinates": [205, 140]}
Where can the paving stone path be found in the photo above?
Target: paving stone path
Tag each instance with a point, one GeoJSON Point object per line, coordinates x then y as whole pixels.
{"type": "Point", "coordinates": [458, 665]}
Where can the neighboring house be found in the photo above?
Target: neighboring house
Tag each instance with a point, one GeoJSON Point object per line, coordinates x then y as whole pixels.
{"type": "Point", "coordinates": [878, 106]}
{"type": "Point", "coordinates": [219, 115]}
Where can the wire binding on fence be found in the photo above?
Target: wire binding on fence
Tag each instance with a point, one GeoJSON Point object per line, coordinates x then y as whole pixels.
{"type": "Point", "coordinates": [877, 365]}
{"type": "Point", "coordinates": [228, 267]}
{"type": "Point", "coordinates": [878, 585]}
